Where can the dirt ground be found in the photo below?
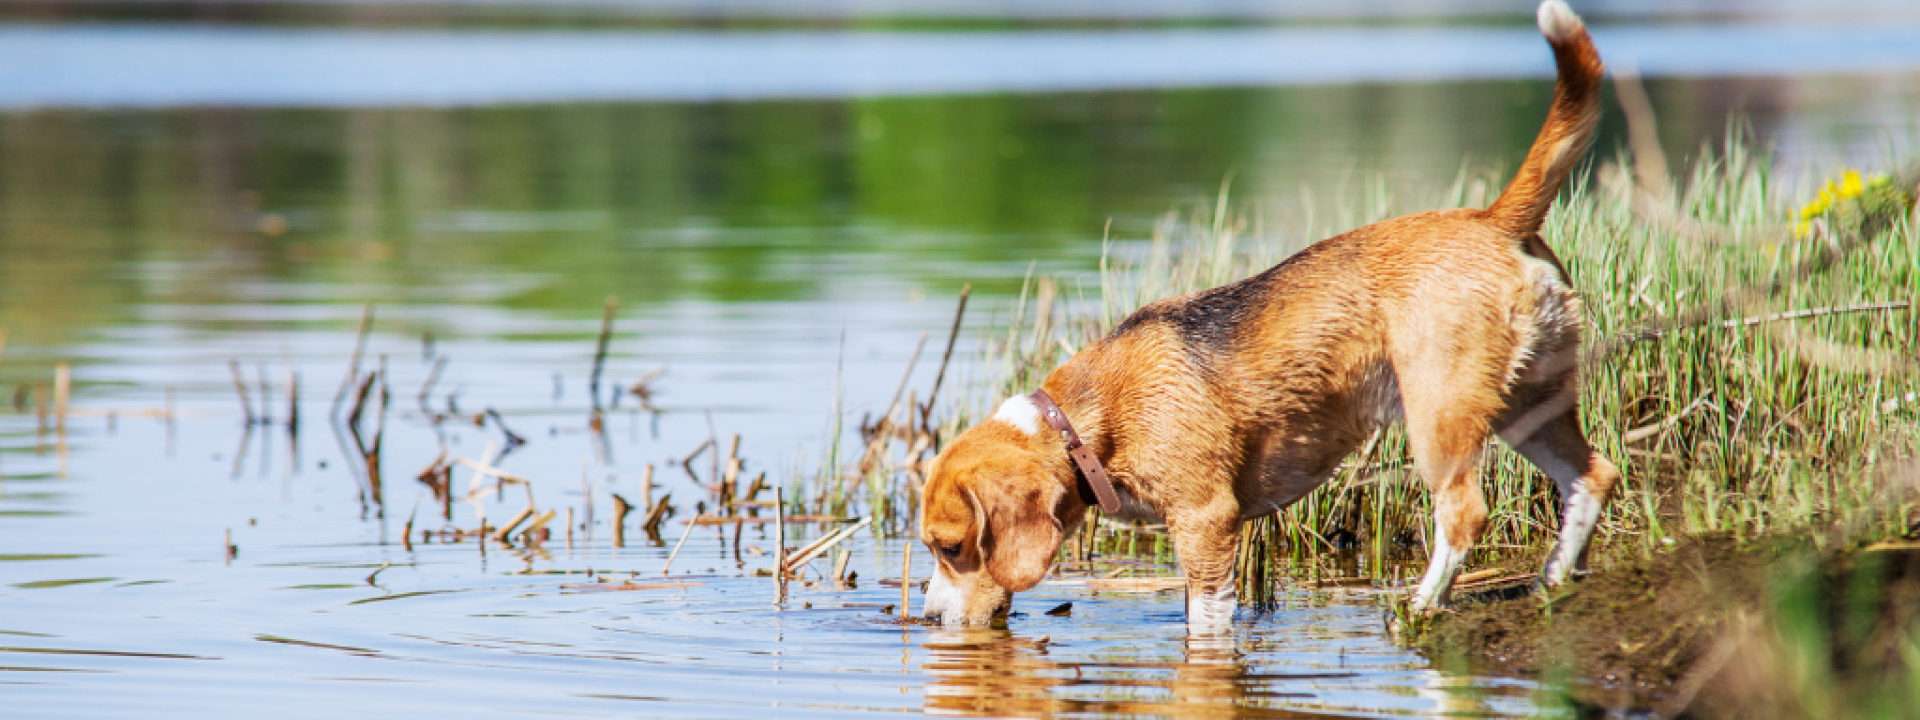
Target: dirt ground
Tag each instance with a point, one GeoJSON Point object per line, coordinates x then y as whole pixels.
{"type": "Point", "coordinates": [1710, 627]}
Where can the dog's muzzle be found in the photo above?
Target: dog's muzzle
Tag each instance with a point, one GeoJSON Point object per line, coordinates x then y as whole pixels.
{"type": "Point", "coordinates": [943, 603]}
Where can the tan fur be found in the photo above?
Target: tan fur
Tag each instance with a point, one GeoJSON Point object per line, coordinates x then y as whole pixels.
{"type": "Point", "coordinates": [1226, 404]}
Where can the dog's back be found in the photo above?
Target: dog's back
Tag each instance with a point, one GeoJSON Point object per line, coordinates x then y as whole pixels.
{"type": "Point", "coordinates": [1295, 366]}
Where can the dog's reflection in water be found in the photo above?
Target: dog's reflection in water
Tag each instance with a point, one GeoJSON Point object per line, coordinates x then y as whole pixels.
{"type": "Point", "coordinates": [990, 672]}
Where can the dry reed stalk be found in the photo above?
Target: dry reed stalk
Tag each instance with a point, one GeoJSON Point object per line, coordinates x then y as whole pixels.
{"type": "Point", "coordinates": [500, 535]}
{"type": "Point", "coordinates": [266, 394]}
{"type": "Point", "coordinates": [646, 488]}
{"type": "Point", "coordinates": [600, 351]}
{"type": "Point", "coordinates": [426, 388]}
{"type": "Point", "coordinates": [714, 437]}
{"type": "Point", "coordinates": [840, 565]}
{"type": "Point", "coordinates": [906, 565]}
{"type": "Point", "coordinates": [926, 415]}
{"type": "Point", "coordinates": [654, 516]}
{"type": "Point", "coordinates": [620, 509]}
{"type": "Point", "coordinates": [908, 375]}
{"type": "Point", "coordinates": [62, 391]}
{"type": "Point", "coordinates": [687, 462]}
{"type": "Point", "coordinates": [817, 547]}
{"type": "Point", "coordinates": [353, 368]}
{"type": "Point", "coordinates": [780, 546]}
{"type": "Point", "coordinates": [676, 550]}
{"type": "Point", "coordinates": [240, 388]}
{"type": "Point", "coordinates": [40, 416]}
{"type": "Point", "coordinates": [586, 499]}
{"type": "Point", "coordinates": [293, 403]}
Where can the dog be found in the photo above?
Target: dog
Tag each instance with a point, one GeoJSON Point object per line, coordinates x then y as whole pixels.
{"type": "Point", "coordinates": [1223, 405]}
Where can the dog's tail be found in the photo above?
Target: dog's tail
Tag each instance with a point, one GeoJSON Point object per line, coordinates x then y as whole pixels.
{"type": "Point", "coordinates": [1569, 129]}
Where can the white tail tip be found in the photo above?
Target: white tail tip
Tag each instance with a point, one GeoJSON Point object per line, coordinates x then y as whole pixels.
{"type": "Point", "coordinates": [1557, 21]}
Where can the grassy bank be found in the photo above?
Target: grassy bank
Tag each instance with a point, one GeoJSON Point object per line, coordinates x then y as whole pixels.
{"type": "Point", "coordinates": [1750, 361]}
{"type": "Point", "coordinates": [1751, 371]}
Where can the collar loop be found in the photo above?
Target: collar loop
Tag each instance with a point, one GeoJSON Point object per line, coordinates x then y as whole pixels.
{"type": "Point", "coordinates": [1092, 473]}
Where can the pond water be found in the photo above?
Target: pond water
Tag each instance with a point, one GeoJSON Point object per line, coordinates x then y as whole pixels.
{"type": "Point", "coordinates": [779, 258]}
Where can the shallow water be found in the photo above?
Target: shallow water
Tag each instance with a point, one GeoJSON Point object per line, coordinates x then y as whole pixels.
{"type": "Point", "coordinates": [777, 258]}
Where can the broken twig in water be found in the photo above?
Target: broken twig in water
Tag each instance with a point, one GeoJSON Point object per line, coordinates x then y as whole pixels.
{"type": "Point", "coordinates": [814, 549]}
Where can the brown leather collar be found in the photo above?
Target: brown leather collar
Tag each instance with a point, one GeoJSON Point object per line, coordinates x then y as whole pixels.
{"type": "Point", "coordinates": [1091, 472]}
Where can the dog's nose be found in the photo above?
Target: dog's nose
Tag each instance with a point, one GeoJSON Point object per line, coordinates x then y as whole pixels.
{"type": "Point", "coordinates": [932, 616]}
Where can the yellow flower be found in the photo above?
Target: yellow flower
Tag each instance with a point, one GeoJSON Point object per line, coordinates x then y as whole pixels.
{"type": "Point", "coordinates": [1850, 186]}
{"type": "Point", "coordinates": [1820, 205]}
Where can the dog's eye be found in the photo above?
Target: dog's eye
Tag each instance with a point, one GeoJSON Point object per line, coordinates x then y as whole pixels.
{"type": "Point", "coordinates": [950, 551]}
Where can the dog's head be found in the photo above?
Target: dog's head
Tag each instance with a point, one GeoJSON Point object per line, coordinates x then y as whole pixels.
{"type": "Point", "coordinates": [992, 514]}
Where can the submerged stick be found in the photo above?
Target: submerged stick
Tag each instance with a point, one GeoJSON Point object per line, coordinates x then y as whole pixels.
{"type": "Point", "coordinates": [926, 415]}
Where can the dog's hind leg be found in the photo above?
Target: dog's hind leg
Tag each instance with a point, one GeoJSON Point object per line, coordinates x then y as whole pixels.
{"type": "Point", "coordinates": [1459, 516]}
{"type": "Point", "coordinates": [1451, 398]}
{"type": "Point", "coordinates": [1585, 480]}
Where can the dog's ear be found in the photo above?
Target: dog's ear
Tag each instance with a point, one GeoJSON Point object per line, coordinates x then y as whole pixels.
{"type": "Point", "coordinates": [1019, 534]}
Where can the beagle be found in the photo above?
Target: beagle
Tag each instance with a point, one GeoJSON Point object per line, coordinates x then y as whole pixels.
{"type": "Point", "coordinates": [1223, 405]}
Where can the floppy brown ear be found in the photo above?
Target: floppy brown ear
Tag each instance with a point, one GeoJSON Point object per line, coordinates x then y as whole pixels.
{"type": "Point", "coordinates": [1021, 534]}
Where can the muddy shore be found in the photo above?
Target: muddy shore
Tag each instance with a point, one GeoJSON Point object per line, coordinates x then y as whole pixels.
{"type": "Point", "coordinates": [1709, 627]}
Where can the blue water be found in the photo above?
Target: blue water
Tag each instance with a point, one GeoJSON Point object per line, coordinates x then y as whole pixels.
{"type": "Point", "coordinates": [122, 66]}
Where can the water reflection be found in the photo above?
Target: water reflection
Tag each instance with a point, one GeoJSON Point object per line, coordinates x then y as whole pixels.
{"type": "Point", "coordinates": [978, 672]}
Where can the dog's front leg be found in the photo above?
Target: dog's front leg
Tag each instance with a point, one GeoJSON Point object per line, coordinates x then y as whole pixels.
{"type": "Point", "coordinates": [1205, 541]}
